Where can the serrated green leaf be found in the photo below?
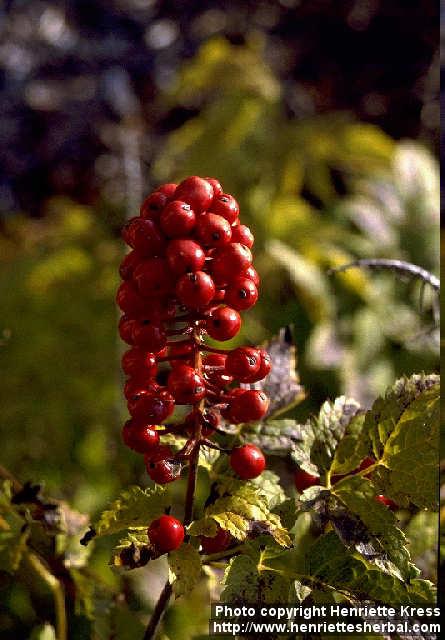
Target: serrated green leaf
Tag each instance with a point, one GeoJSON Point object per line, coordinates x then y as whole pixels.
{"type": "Point", "coordinates": [185, 568]}
{"type": "Point", "coordinates": [246, 581]}
{"type": "Point", "coordinates": [322, 435]}
{"type": "Point", "coordinates": [274, 437]}
{"type": "Point", "coordinates": [407, 445]}
{"type": "Point", "coordinates": [329, 561]}
{"type": "Point", "coordinates": [352, 448]}
{"type": "Point", "coordinates": [135, 507]}
{"type": "Point", "coordinates": [208, 457]}
{"type": "Point", "coordinates": [388, 541]}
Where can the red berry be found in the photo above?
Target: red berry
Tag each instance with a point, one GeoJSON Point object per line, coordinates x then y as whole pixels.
{"type": "Point", "coordinates": [161, 452]}
{"type": "Point", "coordinates": [178, 350]}
{"type": "Point", "coordinates": [243, 363]}
{"type": "Point", "coordinates": [139, 436]}
{"type": "Point", "coordinates": [247, 461]}
{"type": "Point", "coordinates": [226, 206]}
{"type": "Point", "coordinates": [230, 262]}
{"type": "Point", "coordinates": [186, 385]}
{"type": "Point", "coordinates": [150, 406]}
{"type": "Point", "coordinates": [168, 189]}
{"type": "Point", "coordinates": [150, 335]}
{"type": "Point", "coordinates": [195, 290]}
{"type": "Point", "coordinates": [133, 386]}
{"type": "Point", "coordinates": [208, 419]}
{"type": "Point", "coordinates": [144, 236]}
{"type": "Point", "coordinates": [129, 300]}
{"type": "Point", "coordinates": [241, 294]}
{"type": "Point", "coordinates": [153, 278]}
{"type": "Point", "coordinates": [220, 542]}
{"type": "Point", "coordinates": [249, 406]}
{"type": "Point", "coordinates": [138, 362]}
{"type": "Point", "coordinates": [166, 534]}
{"type": "Point", "coordinates": [243, 234]}
{"type": "Point", "coordinates": [163, 471]}
{"type": "Point", "coordinates": [126, 325]}
{"type": "Point", "coordinates": [213, 230]}
{"type": "Point", "coordinates": [177, 219]}
{"type": "Point", "coordinates": [217, 188]}
{"type": "Point", "coordinates": [153, 205]}
{"type": "Point", "coordinates": [303, 480]}
{"type": "Point", "coordinates": [214, 370]}
{"type": "Point", "coordinates": [128, 264]}
{"type": "Point", "coordinates": [197, 192]}
{"type": "Point", "coordinates": [387, 502]}
{"type": "Point", "coordinates": [185, 255]}
{"type": "Point", "coordinates": [264, 369]}
{"type": "Point", "coordinates": [223, 323]}
{"type": "Point", "coordinates": [251, 274]}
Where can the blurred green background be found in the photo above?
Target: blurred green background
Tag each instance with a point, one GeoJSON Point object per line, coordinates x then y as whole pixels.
{"type": "Point", "coordinates": [320, 184]}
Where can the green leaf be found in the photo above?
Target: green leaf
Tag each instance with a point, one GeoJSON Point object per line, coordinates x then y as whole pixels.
{"type": "Point", "coordinates": [422, 532]}
{"type": "Point", "coordinates": [405, 436]}
{"type": "Point", "coordinates": [388, 542]}
{"type": "Point", "coordinates": [352, 448]}
{"type": "Point", "coordinates": [135, 507]}
{"type": "Point", "coordinates": [185, 568]}
{"type": "Point", "coordinates": [246, 581]}
{"type": "Point", "coordinates": [322, 435]}
{"type": "Point", "coordinates": [330, 562]}
{"type": "Point", "coordinates": [274, 437]}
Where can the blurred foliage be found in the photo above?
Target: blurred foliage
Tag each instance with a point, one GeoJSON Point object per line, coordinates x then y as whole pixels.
{"type": "Point", "coordinates": [318, 192]}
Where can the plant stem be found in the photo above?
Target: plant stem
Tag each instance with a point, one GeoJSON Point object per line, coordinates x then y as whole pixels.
{"type": "Point", "coordinates": [58, 592]}
{"type": "Point", "coordinates": [156, 616]}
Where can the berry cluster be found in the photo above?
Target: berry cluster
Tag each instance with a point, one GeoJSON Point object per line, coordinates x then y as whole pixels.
{"type": "Point", "coordinates": [189, 273]}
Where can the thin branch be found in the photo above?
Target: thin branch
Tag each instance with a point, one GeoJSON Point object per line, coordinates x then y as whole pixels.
{"type": "Point", "coordinates": [406, 268]}
{"type": "Point", "coordinates": [57, 591]}
{"type": "Point", "coordinates": [159, 609]}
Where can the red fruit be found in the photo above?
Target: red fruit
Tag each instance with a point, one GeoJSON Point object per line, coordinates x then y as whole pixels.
{"type": "Point", "coordinates": [251, 274]}
{"type": "Point", "coordinates": [217, 188]}
{"type": "Point", "coordinates": [168, 189]}
{"type": "Point", "coordinates": [128, 264]}
{"type": "Point", "coordinates": [220, 542]}
{"type": "Point", "coordinates": [186, 385]}
{"type": "Point", "coordinates": [138, 362]}
{"type": "Point", "coordinates": [166, 534]}
{"type": "Point", "coordinates": [129, 300]}
{"type": "Point", "coordinates": [230, 262]}
{"type": "Point", "coordinates": [163, 471]}
{"type": "Point", "coordinates": [214, 370]}
{"type": "Point", "coordinates": [144, 236]}
{"type": "Point", "coordinates": [208, 419]}
{"type": "Point", "coordinates": [243, 234]}
{"type": "Point", "coordinates": [150, 335]}
{"type": "Point", "coordinates": [153, 205]}
{"type": "Point", "coordinates": [226, 206]}
{"type": "Point", "coordinates": [364, 464]}
{"type": "Point", "coordinates": [161, 452]}
{"type": "Point", "coordinates": [177, 219]}
{"type": "Point", "coordinates": [241, 294]}
{"type": "Point", "coordinates": [197, 192]}
{"type": "Point", "coordinates": [247, 461]}
{"type": "Point", "coordinates": [249, 406]}
{"type": "Point", "coordinates": [303, 480]}
{"type": "Point", "coordinates": [195, 290]}
{"type": "Point", "coordinates": [154, 407]}
{"type": "Point", "coordinates": [126, 326]}
{"type": "Point", "coordinates": [133, 386]}
{"type": "Point", "coordinates": [213, 230]}
{"type": "Point", "coordinates": [181, 348]}
{"type": "Point", "coordinates": [185, 255]}
{"type": "Point", "coordinates": [387, 502]}
{"type": "Point", "coordinates": [140, 436]}
{"type": "Point", "coordinates": [243, 363]}
{"type": "Point", "coordinates": [153, 278]}
{"type": "Point", "coordinates": [264, 369]}
{"type": "Point", "coordinates": [223, 323]}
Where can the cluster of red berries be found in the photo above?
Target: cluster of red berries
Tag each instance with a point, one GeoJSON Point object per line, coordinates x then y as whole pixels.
{"type": "Point", "coordinates": [189, 273]}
